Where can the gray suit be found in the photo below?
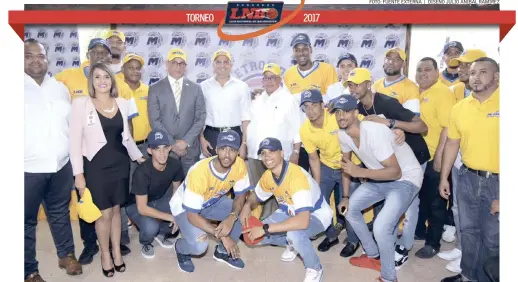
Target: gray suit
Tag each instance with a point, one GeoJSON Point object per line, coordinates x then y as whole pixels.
{"type": "Point", "coordinates": [185, 125]}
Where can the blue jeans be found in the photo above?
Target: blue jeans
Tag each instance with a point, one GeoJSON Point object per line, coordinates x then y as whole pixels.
{"type": "Point", "coordinates": [189, 244]}
{"type": "Point", "coordinates": [479, 229]}
{"type": "Point", "coordinates": [150, 227]}
{"type": "Point", "coordinates": [455, 205]}
{"type": "Point", "coordinates": [329, 179]}
{"type": "Point", "coordinates": [298, 239]}
{"type": "Point", "coordinates": [351, 235]}
{"type": "Point", "coordinates": [398, 196]}
{"type": "Point", "coordinates": [53, 190]}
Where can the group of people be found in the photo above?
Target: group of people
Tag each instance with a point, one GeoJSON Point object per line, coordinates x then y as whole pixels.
{"type": "Point", "coordinates": [307, 154]}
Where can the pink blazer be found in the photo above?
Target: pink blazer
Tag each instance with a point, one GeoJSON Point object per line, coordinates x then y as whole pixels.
{"type": "Point", "coordinates": [87, 135]}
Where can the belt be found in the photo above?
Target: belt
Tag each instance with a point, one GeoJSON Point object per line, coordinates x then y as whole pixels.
{"type": "Point", "coordinates": [220, 129]}
{"type": "Point", "coordinates": [482, 173]}
{"type": "Point", "coordinates": [141, 142]}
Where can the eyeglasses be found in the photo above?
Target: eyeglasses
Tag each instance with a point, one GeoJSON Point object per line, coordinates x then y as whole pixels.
{"type": "Point", "coordinates": [269, 78]}
{"type": "Point", "coordinates": [181, 64]}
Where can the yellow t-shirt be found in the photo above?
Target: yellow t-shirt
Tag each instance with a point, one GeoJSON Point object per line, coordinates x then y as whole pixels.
{"type": "Point", "coordinates": [446, 81]}
{"type": "Point", "coordinates": [141, 125]}
{"type": "Point", "coordinates": [402, 89]}
{"type": "Point", "coordinates": [460, 92]}
{"type": "Point", "coordinates": [320, 77]}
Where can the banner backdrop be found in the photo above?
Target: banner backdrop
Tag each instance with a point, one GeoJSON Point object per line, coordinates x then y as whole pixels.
{"type": "Point", "coordinates": [61, 43]}
{"type": "Point", "coordinates": [367, 43]}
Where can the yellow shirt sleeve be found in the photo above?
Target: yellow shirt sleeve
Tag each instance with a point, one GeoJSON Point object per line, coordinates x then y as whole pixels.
{"type": "Point", "coordinates": [306, 140]}
{"type": "Point", "coordinates": [444, 107]}
{"type": "Point", "coordinates": [453, 131]}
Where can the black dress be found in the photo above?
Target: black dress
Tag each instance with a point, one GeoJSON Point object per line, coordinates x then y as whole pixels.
{"type": "Point", "coordinates": [107, 175]}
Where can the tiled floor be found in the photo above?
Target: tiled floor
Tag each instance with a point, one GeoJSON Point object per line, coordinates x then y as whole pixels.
{"type": "Point", "coordinates": [262, 264]}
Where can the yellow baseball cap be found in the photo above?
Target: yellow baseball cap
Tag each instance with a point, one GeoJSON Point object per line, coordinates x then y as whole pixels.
{"type": "Point", "coordinates": [399, 51]}
{"type": "Point", "coordinates": [117, 33]}
{"type": "Point", "coordinates": [359, 75]}
{"type": "Point", "coordinates": [130, 57]}
{"type": "Point", "coordinates": [176, 53]}
{"type": "Point", "coordinates": [273, 68]}
{"type": "Point", "coordinates": [221, 52]}
{"type": "Point", "coordinates": [469, 56]}
{"type": "Point", "coordinates": [86, 209]}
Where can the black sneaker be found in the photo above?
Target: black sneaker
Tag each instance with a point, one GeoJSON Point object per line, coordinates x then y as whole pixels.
{"type": "Point", "coordinates": [456, 278]}
{"type": "Point", "coordinates": [426, 252]}
{"type": "Point", "coordinates": [401, 256]}
{"type": "Point", "coordinates": [184, 261]}
{"type": "Point", "coordinates": [234, 263]}
{"type": "Point", "coordinates": [325, 245]}
{"type": "Point", "coordinates": [349, 250]}
{"type": "Point", "coordinates": [87, 255]}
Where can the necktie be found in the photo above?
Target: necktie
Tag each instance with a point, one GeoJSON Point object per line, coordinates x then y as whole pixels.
{"type": "Point", "coordinates": [177, 94]}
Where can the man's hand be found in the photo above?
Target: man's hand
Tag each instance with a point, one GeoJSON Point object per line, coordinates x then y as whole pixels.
{"type": "Point", "coordinates": [181, 145]}
{"type": "Point", "coordinates": [254, 233]}
{"type": "Point", "coordinates": [350, 168]}
{"type": "Point", "coordinates": [245, 214]}
{"type": "Point", "coordinates": [80, 183]}
{"type": "Point", "coordinates": [242, 151]}
{"type": "Point", "coordinates": [178, 151]}
{"type": "Point", "coordinates": [205, 146]}
{"type": "Point", "coordinates": [375, 118]}
{"type": "Point", "coordinates": [294, 158]}
{"type": "Point", "coordinates": [225, 226]}
{"type": "Point", "coordinates": [400, 136]}
{"type": "Point", "coordinates": [495, 207]}
{"type": "Point", "coordinates": [444, 189]}
{"type": "Point", "coordinates": [437, 165]}
{"type": "Point", "coordinates": [231, 247]}
{"type": "Point", "coordinates": [343, 205]}
{"type": "Point", "coordinates": [256, 92]}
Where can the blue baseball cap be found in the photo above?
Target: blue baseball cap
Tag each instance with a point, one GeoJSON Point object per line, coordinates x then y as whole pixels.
{"type": "Point", "coordinates": [450, 44]}
{"type": "Point", "coordinates": [230, 139]}
{"type": "Point", "coordinates": [272, 144]}
{"type": "Point", "coordinates": [99, 41]}
{"type": "Point", "coordinates": [157, 138]}
{"type": "Point", "coordinates": [344, 102]}
{"type": "Point", "coordinates": [300, 38]}
{"type": "Point", "coordinates": [347, 56]}
{"type": "Point", "coordinates": [311, 95]}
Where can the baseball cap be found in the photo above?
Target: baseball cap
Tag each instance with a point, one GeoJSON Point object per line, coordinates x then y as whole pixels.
{"type": "Point", "coordinates": [221, 52]}
{"type": "Point", "coordinates": [99, 41]}
{"type": "Point", "coordinates": [311, 95]}
{"type": "Point", "coordinates": [359, 75]}
{"type": "Point", "coordinates": [176, 53]}
{"type": "Point", "coordinates": [469, 56]}
{"type": "Point", "coordinates": [455, 44]}
{"type": "Point", "coordinates": [344, 102]}
{"type": "Point", "coordinates": [230, 139]}
{"type": "Point", "coordinates": [272, 144]}
{"type": "Point", "coordinates": [157, 138]}
{"type": "Point", "coordinates": [300, 38]}
{"type": "Point", "coordinates": [399, 51]}
{"type": "Point", "coordinates": [349, 57]}
{"type": "Point", "coordinates": [86, 209]}
{"type": "Point", "coordinates": [117, 33]}
{"type": "Point", "coordinates": [130, 57]}
{"type": "Point", "coordinates": [273, 68]}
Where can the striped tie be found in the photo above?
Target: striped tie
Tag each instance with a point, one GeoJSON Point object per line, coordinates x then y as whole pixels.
{"type": "Point", "coordinates": [177, 94]}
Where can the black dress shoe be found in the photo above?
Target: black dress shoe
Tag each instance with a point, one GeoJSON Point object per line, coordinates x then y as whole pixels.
{"type": "Point", "coordinates": [87, 255]}
{"type": "Point", "coordinates": [456, 278]}
{"type": "Point", "coordinates": [326, 244]}
{"type": "Point", "coordinates": [426, 252]}
{"type": "Point", "coordinates": [125, 250]}
{"type": "Point", "coordinates": [349, 250]}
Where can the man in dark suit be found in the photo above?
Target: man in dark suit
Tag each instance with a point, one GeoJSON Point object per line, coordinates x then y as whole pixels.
{"type": "Point", "coordinates": [176, 105]}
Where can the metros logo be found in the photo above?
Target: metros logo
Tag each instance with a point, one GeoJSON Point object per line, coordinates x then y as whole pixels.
{"type": "Point", "coordinates": [59, 48]}
{"type": "Point", "coordinates": [322, 58]}
{"type": "Point", "coordinates": [58, 34]}
{"type": "Point", "coordinates": [60, 62]}
{"type": "Point", "coordinates": [251, 42]}
{"type": "Point", "coordinates": [132, 38]}
{"type": "Point", "coordinates": [226, 43]}
{"type": "Point", "coordinates": [74, 48]}
{"type": "Point", "coordinates": [321, 41]}
{"type": "Point", "coordinates": [202, 60]}
{"type": "Point", "coordinates": [27, 35]}
{"type": "Point", "coordinates": [345, 41]}
{"type": "Point", "coordinates": [76, 62]}
{"type": "Point", "coordinates": [41, 34]}
{"type": "Point", "coordinates": [154, 39]}
{"type": "Point", "coordinates": [274, 40]}
{"type": "Point", "coordinates": [368, 41]}
{"type": "Point", "coordinates": [154, 78]}
{"type": "Point", "coordinates": [368, 62]}
{"type": "Point", "coordinates": [73, 34]}
{"type": "Point", "coordinates": [178, 39]}
{"type": "Point", "coordinates": [155, 59]}
{"type": "Point", "coordinates": [202, 39]}
{"type": "Point", "coordinates": [391, 41]}
{"type": "Point", "coordinates": [202, 77]}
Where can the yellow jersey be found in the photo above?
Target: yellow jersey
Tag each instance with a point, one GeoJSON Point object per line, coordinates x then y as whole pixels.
{"type": "Point", "coordinates": [203, 186]}
{"type": "Point", "coordinates": [402, 89]}
{"type": "Point", "coordinates": [141, 125]}
{"type": "Point", "coordinates": [449, 80]}
{"type": "Point", "coordinates": [460, 91]}
{"type": "Point", "coordinates": [320, 77]}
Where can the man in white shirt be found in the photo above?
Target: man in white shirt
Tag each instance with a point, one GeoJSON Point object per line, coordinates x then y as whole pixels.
{"type": "Point", "coordinates": [47, 171]}
{"type": "Point", "coordinates": [227, 100]}
{"type": "Point", "coordinates": [274, 113]}
{"type": "Point", "coordinates": [346, 63]}
{"type": "Point", "coordinates": [393, 174]}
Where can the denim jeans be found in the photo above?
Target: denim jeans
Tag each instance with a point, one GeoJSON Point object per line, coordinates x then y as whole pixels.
{"type": "Point", "coordinates": [53, 190]}
{"type": "Point", "coordinates": [298, 239]}
{"type": "Point", "coordinates": [189, 244]}
{"type": "Point", "coordinates": [398, 196]}
{"type": "Point", "coordinates": [150, 227]}
{"type": "Point", "coordinates": [329, 179]}
{"type": "Point", "coordinates": [479, 229]}
{"type": "Point", "coordinates": [351, 235]}
{"type": "Point", "coordinates": [455, 205]}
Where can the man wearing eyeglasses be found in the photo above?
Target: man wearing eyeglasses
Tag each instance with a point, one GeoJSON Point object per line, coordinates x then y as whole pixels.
{"type": "Point", "coordinates": [274, 113]}
{"type": "Point", "coordinates": [176, 106]}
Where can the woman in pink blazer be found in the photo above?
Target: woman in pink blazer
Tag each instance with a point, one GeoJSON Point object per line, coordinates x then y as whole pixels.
{"type": "Point", "coordinates": [100, 150]}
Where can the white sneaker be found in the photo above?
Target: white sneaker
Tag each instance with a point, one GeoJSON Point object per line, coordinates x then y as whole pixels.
{"type": "Point", "coordinates": [454, 266]}
{"type": "Point", "coordinates": [314, 275]}
{"type": "Point", "coordinates": [450, 255]}
{"type": "Point", "coordinates": [449, 233]}
{"type": "Point", "coordinates": [289, 254]}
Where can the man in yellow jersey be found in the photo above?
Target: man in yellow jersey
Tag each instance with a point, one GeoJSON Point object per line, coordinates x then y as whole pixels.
{"type": "Point", "coordinates": [303, 212]}
{"type": "Point", "coordinates": [201, 199]}
{"type": "Point", "coordinates": [436, 103]}
{"type": "Point", "coordinates": [320, 131]}
{"type": "Point", "coordinates": [463, 90]}
{"type": "Point", "coordinates": [450, 76]}
{"type": "Point", "coordinates": [475, 129]}
{"type": "Point", "coordinates": [117, 42]}
{"type": "Point", "coordinates": [395, 84]}
{"type": "Point", "coordinates": [307, 74]}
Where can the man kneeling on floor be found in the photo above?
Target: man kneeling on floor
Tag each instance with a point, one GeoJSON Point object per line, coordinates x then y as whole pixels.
{"type": "Point", "coordinates": [202, 198]}
{"type": "Point", "coordinates": [302, 214]}
{"type": "Point", "coordinates": [149, 208]}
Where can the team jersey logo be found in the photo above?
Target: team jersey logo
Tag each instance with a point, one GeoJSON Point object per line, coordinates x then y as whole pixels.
{"type": "Point", "coordinates": [229, 138]}
{"type": "Point", "coordinates": [495, 114]}
{"type": "Point", "coordinates": [158, 136]}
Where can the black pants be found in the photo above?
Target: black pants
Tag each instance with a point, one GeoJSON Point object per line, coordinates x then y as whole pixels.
{"type": "Point", "coordinates": [53, 190]}
{"type": "Point", "coordinates": [212, 134]}
{"type": "Point", "coordinates": [87, 231]}
{"type": "Point", "coordinates": [304, 159]}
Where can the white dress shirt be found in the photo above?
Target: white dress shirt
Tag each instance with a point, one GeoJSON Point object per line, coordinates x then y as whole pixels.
{"type": "Point", "coordinates": [227, 106]}
{"type": "Point", "coordinates": [334, 90]}
{"type": "Point", "coordinates": [276, 115]}
{"type": "Point", "coordinates": [172, 82]}
{"type": "Point", "coordinates": [47, 113]}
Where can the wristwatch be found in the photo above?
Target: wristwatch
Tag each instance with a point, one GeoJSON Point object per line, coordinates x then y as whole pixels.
{"type": "Point", "coordinates": [392, 123]}
{"type": "Point", "coordinates": [265, 228]}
